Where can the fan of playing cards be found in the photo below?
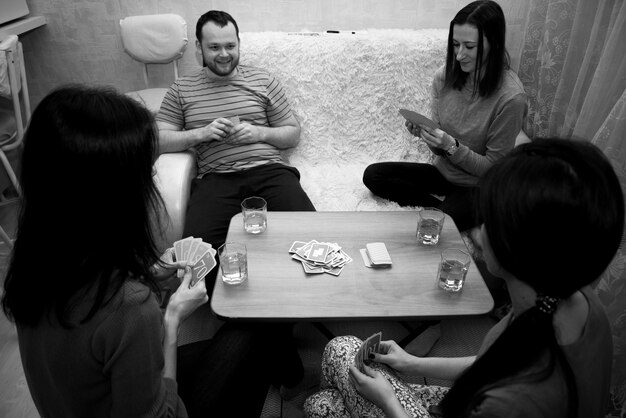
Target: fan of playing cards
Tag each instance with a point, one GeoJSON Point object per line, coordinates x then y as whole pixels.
{"type": "Point", "coordinates": [200, 256]}
{"type": "Point", "coordinates": [320, 257]}
{"type": "Point", "coordinates": [371, 345]}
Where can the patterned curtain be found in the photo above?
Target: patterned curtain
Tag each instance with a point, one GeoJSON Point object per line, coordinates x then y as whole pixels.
{"type": "Point", "coordinates": [573, 66]}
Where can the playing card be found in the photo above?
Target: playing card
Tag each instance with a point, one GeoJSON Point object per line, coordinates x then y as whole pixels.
{"type": "Point", "coordinates": [234, 119]}
{"type": "Point", "coordinates": [194, 247]}
{"type": "Point", "coordinates": [304, 250]}
{"type": "Point", "coordinates": [318, 252]}
{"type": "Point", "coordinates": [371, 345]}
{"type": "Point", "coordinates": [319, 257]}
{"type": "Point", "coordinates": [418, 119]}
{"type": "Point", "coordinates": [202, 267]}
{"type": "Point", "coordinates": [312, 270]}
{"type": "Point", "coordinates": [186, 247]}
{"type": "Point", "coordinates": [335, 271]}
{"type": "Point", "coordinates": [202, 249]}
{"type": "Point", "coordinates": [296, 246]}
{"type": "Point", "coordinates": [178, 249]}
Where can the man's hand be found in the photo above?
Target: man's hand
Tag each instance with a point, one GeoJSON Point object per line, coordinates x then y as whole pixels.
{"type": "Point", "coordinates": [244, 133]}
{"type": "Point", "coordinates": [218, 130]}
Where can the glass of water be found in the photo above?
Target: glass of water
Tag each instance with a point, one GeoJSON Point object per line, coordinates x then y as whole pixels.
{"type": "Point", "coordinates": [429, 225]}
{"type": "Point", "coordinates": [254, 210]}
{"type": "Point", "coordinates": [453, 269]}
{"type": "Point", "coordinates": [233, 262]}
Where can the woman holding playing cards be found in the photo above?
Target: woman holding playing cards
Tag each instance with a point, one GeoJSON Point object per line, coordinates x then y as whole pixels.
{"type": "Point", "coordinates": [551, 355]}
{"type": "Point", "coordinates": [82, 286]}
{"type": "Point", "coordinates": [479, 104]}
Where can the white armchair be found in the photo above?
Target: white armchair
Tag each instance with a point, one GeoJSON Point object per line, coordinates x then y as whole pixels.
{"type": "Point", "coordinates": [162, 39]}
{"type": "Point", "coordinates": [174, 173]}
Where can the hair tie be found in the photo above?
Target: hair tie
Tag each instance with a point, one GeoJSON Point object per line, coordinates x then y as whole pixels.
{"type": "Point", "coordinates": [547, 304]}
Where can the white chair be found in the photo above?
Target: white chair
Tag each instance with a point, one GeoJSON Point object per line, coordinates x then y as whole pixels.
{"type": "Point", "coordinates": [13, 87]}
{"type": "Point", "coordinates": [154, 39]}
{"type": "Point", "coordinates": [162, 39]}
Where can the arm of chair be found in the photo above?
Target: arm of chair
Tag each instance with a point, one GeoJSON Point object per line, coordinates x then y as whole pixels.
{"type": "Point", "coordinates": [174, 173]}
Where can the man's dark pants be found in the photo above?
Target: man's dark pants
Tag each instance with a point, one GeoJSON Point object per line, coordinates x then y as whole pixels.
{"type": "Point", "coordinates": [216, 198]}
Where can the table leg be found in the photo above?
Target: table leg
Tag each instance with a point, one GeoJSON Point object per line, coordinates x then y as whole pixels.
{"type": "Point", "coordinates": [415, 332]}
{"type": "Point", "coordinates": [322, 328]}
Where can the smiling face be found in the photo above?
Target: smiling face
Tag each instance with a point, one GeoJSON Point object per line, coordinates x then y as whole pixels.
{"type": "Point", "coordinates": [465, 42]}
{"type": "Point", "coordinates": [219, 48]}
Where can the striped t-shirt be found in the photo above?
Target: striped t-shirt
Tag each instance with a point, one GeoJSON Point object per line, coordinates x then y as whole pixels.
{"type": "Point", "coordinates": [251, 93]}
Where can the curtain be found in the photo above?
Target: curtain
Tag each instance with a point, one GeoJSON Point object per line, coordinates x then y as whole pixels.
{"type": "Point", "coordinates": [572, 63]}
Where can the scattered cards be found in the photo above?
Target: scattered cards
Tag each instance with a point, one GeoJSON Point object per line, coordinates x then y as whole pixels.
{"type": "Point", "coordinates": [371, 345]}
{"type": "Point", "coordinates": [320, 257]}
{"type": "Point", "coordinates": [198, 254]}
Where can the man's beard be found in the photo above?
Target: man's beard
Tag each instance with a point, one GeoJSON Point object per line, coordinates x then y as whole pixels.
{"type": "Point", "coordinates": [216, 70]}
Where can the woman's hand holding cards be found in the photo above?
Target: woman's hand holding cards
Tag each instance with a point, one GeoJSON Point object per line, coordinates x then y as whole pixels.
{"type": "Point", "coordinates": [413, 129]}
{"type": "Point", "coordinates": [373, 385]}
{"type": "Point", "coordinates": [186, 299]}
{"type": "Point", "coordinates": [391, 354]}
{"type": "Point", "coordinates": [436, 138]}
{"type": "Point", "coordinates": [166, 267]}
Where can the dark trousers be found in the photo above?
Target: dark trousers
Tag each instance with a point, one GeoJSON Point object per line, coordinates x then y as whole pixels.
{"type": "Point", "coordinates": [412, 184]}
{"type": "Point", "coordinates": [227, 375]}
{"type": "Point", "coordinates": [215, 198]}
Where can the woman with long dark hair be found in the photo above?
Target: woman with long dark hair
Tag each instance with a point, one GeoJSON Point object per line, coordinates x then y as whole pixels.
{"type": "Point", "coordinates": [83, 283]}
{"type": "Point", "coordinates": [553, 218]}
{"type": "Point", "coordinates": [479, 104]}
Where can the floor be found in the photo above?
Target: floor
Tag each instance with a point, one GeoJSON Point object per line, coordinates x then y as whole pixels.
{"type": "Point", "coordinates": [450, 338]}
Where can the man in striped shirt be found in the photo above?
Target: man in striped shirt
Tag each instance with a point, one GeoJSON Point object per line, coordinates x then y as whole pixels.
{"type": "Point", "coordinates": [235, 160]}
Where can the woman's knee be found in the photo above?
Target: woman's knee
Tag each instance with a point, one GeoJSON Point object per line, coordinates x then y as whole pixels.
{"type": "Point", "coordinates": [371, 175]}
{"type": "Point", "coordinates": [340, 348]}
{"type": "Point", "coordinates": [326, 403]}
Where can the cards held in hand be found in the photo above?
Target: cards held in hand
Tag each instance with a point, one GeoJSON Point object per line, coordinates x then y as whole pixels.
{"type": "Point", "coordinates": [200, 256]}
{"type": "Point", "coordinates": [371, 345]}
{"type": "Point", "coordinates": [320, 257]}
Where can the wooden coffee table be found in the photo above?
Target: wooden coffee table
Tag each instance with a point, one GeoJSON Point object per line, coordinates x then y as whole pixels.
{"type": "Point", "coordinates": [277, 288]}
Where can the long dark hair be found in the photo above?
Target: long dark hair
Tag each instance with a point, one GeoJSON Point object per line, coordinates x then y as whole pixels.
{"type": "Point", "coordinates": [535, 204]}
{"type": "Point", "coordinates": [90, 204]}
{"type": "Point", "coordinates": [488, 18]}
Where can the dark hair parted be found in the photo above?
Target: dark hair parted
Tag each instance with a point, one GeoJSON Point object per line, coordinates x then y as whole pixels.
{"type": "Point", "coordinates": [536, 203]}
{"type": "Point", "coordinates": [487, 17]}
{"type": "Point", "coordinates": [90, 204]}
{"type": "Point", "coordinates": [218, 17]}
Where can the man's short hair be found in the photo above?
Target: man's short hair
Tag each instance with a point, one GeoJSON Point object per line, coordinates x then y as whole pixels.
{"type": "Point", "coordinates": [218, 17]}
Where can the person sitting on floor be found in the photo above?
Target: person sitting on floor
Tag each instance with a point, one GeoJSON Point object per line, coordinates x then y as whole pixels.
{"type": "Point", "coordinates": [553, 217]}
{"type": "Point", "coordinates": [479, 104]}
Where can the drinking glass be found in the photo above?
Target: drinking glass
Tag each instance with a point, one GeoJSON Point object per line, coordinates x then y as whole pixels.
{"type": "Point", "coordinates": [254, 210]}
{"type": "Point", "coordinates": [233, 262]}
{"type": "Point", "coordinates": [453, 269]}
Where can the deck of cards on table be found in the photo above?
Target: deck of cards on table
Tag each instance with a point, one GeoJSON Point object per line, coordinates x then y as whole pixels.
{"type": "Point", "coordinates": [371, 345]}
{"type": "Point", "coordinates": [320, 257]}
{"type": "Point", "coordinates": [200, 256]}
